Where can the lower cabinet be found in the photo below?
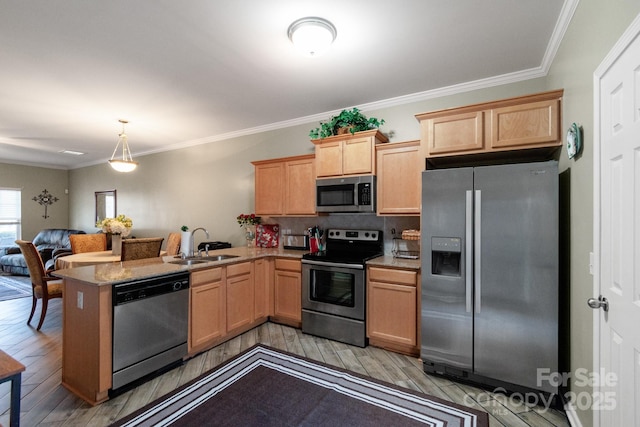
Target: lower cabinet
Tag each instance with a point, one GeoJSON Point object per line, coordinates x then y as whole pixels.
{"type": "Point", "coordinates": [393, 309]}
{"type": "Point", "coordinates": [207, 323]}
{"type": "Point", "coordinates": [229, 300]}
{"type": "Point", "coordinates": [287, 292]}
{"type": "Point", "coordinates": [263, 277]}
{"type": "Point", "coordinates": [240, 296]}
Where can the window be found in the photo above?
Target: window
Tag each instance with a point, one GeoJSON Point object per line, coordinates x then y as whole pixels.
{"type": "Point", "coordinates": [10, 216]}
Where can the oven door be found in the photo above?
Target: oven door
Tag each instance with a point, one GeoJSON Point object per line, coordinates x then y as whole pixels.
{"type": "Point", "coordinates": [334, 288]}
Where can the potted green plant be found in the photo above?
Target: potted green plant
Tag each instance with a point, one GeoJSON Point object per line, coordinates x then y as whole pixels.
{"type": "Point", "coordinates": [347, 121]}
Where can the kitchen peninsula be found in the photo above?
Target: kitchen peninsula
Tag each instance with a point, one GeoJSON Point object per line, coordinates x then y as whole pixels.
{"type": "Point", "coordinates": [217, 297]}
{"type": "Point", "coordinates": [226, 298]}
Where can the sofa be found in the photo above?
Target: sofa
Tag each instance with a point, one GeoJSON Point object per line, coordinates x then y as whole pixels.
{"type": "Point", "coordinates": [50, 242]}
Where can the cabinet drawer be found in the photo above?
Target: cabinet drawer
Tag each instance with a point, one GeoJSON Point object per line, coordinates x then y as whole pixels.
{"type": "Point", "coordinates": [288, 264]}
{"type": "Point", "coordinates": [238, 269]}
{"type": "Point", "coordinates": [206, 276]}
{"type": "Point", "coordinates": [404, 277]}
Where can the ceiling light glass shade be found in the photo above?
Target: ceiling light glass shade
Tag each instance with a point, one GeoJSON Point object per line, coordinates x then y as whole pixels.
{"type": "Point", "coordinates": [312, 35]}
{"type": "Point", "coordinates": [126, 163]}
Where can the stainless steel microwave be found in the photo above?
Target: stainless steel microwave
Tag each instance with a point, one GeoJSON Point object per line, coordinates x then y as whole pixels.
{"type": "Point", "coordinates": [346, 194]}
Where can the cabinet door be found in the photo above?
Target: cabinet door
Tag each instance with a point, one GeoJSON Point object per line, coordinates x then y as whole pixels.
{"type": "Point", "coordinates": [207, 321]}
{"type": "Point", "coordinates": [399, 179]}
{"type": "Point", "coordinates": [269, 189]}
{"type": "Point", "coordinates": [240, 295]}
{"type": "Point", "coordinates": [392, 309]}
{"type": "Point", "coordinates": [287, 289]}
{"type": "Point", "coordinates": [358, 156]}
{"type": "Point", "coordinates": [300, 193]}
{"type": "Point", "coordinates": [452, 134]}
{"type": "Point", "coordinates": [529, 124]}
{"type": "Point", "coordinates": [329, 159]}
{"type": "Point", "coordinates": [261, 289]}
{"type": "Point", "coordinates": [393, 313]}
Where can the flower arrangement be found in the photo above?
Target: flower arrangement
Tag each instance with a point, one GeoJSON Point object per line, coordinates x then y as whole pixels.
{"type": "Point", "coordinates": [247, 219]}
{"type": "Point", "coordinates": [119, 225]}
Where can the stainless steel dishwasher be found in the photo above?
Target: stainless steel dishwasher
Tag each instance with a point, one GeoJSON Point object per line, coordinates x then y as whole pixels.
{"type": "Point", "coordinates": [150, 326]}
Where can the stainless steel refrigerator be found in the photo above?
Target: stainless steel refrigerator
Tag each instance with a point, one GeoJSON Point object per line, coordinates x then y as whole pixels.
{"type": "Point", "coordinates": [490, 274]}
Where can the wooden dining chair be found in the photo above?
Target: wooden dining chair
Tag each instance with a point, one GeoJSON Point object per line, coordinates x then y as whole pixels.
{"type": "Point", "coordinates": [88, 242]}
{"type": "Point", "coordinates": [141, 248]}
{"type": "Point", "coordinates": [43, 287]}
{"type": "Point", "coordinates": [173, 243]}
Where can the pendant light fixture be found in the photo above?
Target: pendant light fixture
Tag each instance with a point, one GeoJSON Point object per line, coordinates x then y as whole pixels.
{"type": "Point", "coordinates": [126, 164]}
{"type": "Point", "coordinates": [312, 35]}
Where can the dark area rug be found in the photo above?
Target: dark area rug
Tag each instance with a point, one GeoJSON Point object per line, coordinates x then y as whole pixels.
{"type": "Point", "coordinates": [267, 387]}
{"type": "Point", "coordinates": [12, 287]}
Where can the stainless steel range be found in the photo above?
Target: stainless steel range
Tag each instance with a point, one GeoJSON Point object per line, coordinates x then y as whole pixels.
{"type": "Point", "coordinates": [334, 285]}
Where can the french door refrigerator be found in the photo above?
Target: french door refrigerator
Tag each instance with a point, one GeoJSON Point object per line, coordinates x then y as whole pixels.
{"type": "Point", "coordinates": [490, 274]}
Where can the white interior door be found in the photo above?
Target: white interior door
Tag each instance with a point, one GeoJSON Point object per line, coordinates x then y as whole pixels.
{"type": "Point", "coordinates": [616, 401]}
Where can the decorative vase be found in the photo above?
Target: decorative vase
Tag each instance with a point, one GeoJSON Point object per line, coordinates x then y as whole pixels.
{"type": "Point", "coordinates": [185, 243]}
{"type": "Point", "coordinates": [250, 235]}
{"type": "Point", "coordinates": [116, 244]}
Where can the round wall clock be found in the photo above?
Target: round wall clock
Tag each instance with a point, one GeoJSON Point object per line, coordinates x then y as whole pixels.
{"type": "Point", "coordinates": [574, 140]}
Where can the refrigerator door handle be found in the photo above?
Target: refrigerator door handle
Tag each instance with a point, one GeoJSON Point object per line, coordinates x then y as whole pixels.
{"type": "Point", "coordinates": [477, 244]}
{"type": "Point", "coordinates": [468, 250]}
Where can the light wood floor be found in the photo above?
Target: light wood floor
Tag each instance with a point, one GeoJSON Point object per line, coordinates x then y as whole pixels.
{"type": "Point", "coordinates": [46, 403]}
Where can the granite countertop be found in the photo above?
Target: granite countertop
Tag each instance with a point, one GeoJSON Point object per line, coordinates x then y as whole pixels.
{"type": "Point", "coordinates": [391, 262]}
{"type": "Point", "coordinates": [119, 272]}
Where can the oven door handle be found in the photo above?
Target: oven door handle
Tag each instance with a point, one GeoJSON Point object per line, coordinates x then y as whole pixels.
{"type": "Point", "coordinates": [332, 264]}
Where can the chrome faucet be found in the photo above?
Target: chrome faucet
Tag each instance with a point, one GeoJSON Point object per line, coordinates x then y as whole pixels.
{"type": "Point", "coordinates": [193, 241]}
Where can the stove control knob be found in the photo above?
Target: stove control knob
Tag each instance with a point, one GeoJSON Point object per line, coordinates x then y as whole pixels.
{"type": "Point", "coordinates": [373, 236]}
{"type": "Point", "coordinates": [366, 234]}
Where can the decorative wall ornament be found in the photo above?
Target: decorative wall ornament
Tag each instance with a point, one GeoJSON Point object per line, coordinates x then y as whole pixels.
{"type": "Point", "coordinates": [45, 198]}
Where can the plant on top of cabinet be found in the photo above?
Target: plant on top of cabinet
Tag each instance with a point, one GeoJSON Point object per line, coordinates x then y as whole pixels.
{"type": "Point", "coordinates": [347, 121]}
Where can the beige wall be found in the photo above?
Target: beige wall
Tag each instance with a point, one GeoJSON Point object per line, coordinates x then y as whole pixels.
{"type": "Point", "coordinates": [595, 28]}
{"type": "Point", "coordinates": [32, 181]}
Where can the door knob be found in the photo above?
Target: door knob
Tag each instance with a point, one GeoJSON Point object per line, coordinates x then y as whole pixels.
{"type": "Point", "coordinates": [601, 302]}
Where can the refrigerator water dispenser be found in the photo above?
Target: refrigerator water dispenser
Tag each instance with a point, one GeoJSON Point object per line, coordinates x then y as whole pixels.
{"type": "Point", "coordinates": [445, 256]}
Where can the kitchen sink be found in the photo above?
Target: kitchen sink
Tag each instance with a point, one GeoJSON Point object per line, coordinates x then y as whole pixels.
{"type": "Point", "coordinates": [219, 257]}
{"type": "Point", "coordinates": [187, 261]}
{"type": "Point", "coordinates": [199, 260]}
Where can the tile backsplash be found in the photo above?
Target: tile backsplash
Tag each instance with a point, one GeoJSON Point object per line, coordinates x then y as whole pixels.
{"type": "Point", "coordinates": [387, 224]}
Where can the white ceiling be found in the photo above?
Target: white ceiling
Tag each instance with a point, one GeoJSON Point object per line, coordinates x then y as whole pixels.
{"type": "Point", "coordinates": [189, 72]}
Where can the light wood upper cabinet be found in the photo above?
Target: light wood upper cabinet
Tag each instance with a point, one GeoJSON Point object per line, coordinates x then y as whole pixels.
{"type": "Point", "coordinates": [347, 154]}
{"type": "Point", "coordinates": [207, 322]}
{"type": "Point", "coordinates": [269, 188]}
{"type": "Point", "coordinates": [300, 186]}
{"type": "Point", "coordinates": [456, 133]}
{"type": "Point", "coordinates": [329, 158]}
{"type": "Point", "coordinates": [285, 186]}
{"type": "Point", "coordinates": [525, 122]}
{"type": "Point", "coordinates": [399, 178]}
{"type": "Point", "coordinates": [393, 309]}
{"type": "Point", "coordinates": [532, 123]}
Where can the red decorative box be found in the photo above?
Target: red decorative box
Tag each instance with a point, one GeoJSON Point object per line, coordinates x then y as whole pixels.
{"type": "Point", "coordinates": [267, 235]}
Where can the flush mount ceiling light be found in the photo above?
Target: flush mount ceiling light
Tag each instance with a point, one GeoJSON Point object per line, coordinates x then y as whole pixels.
{"type": "Point", "coordinates": [312, 35]}
{"type": "Point", "coordinates": [126, 164]}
